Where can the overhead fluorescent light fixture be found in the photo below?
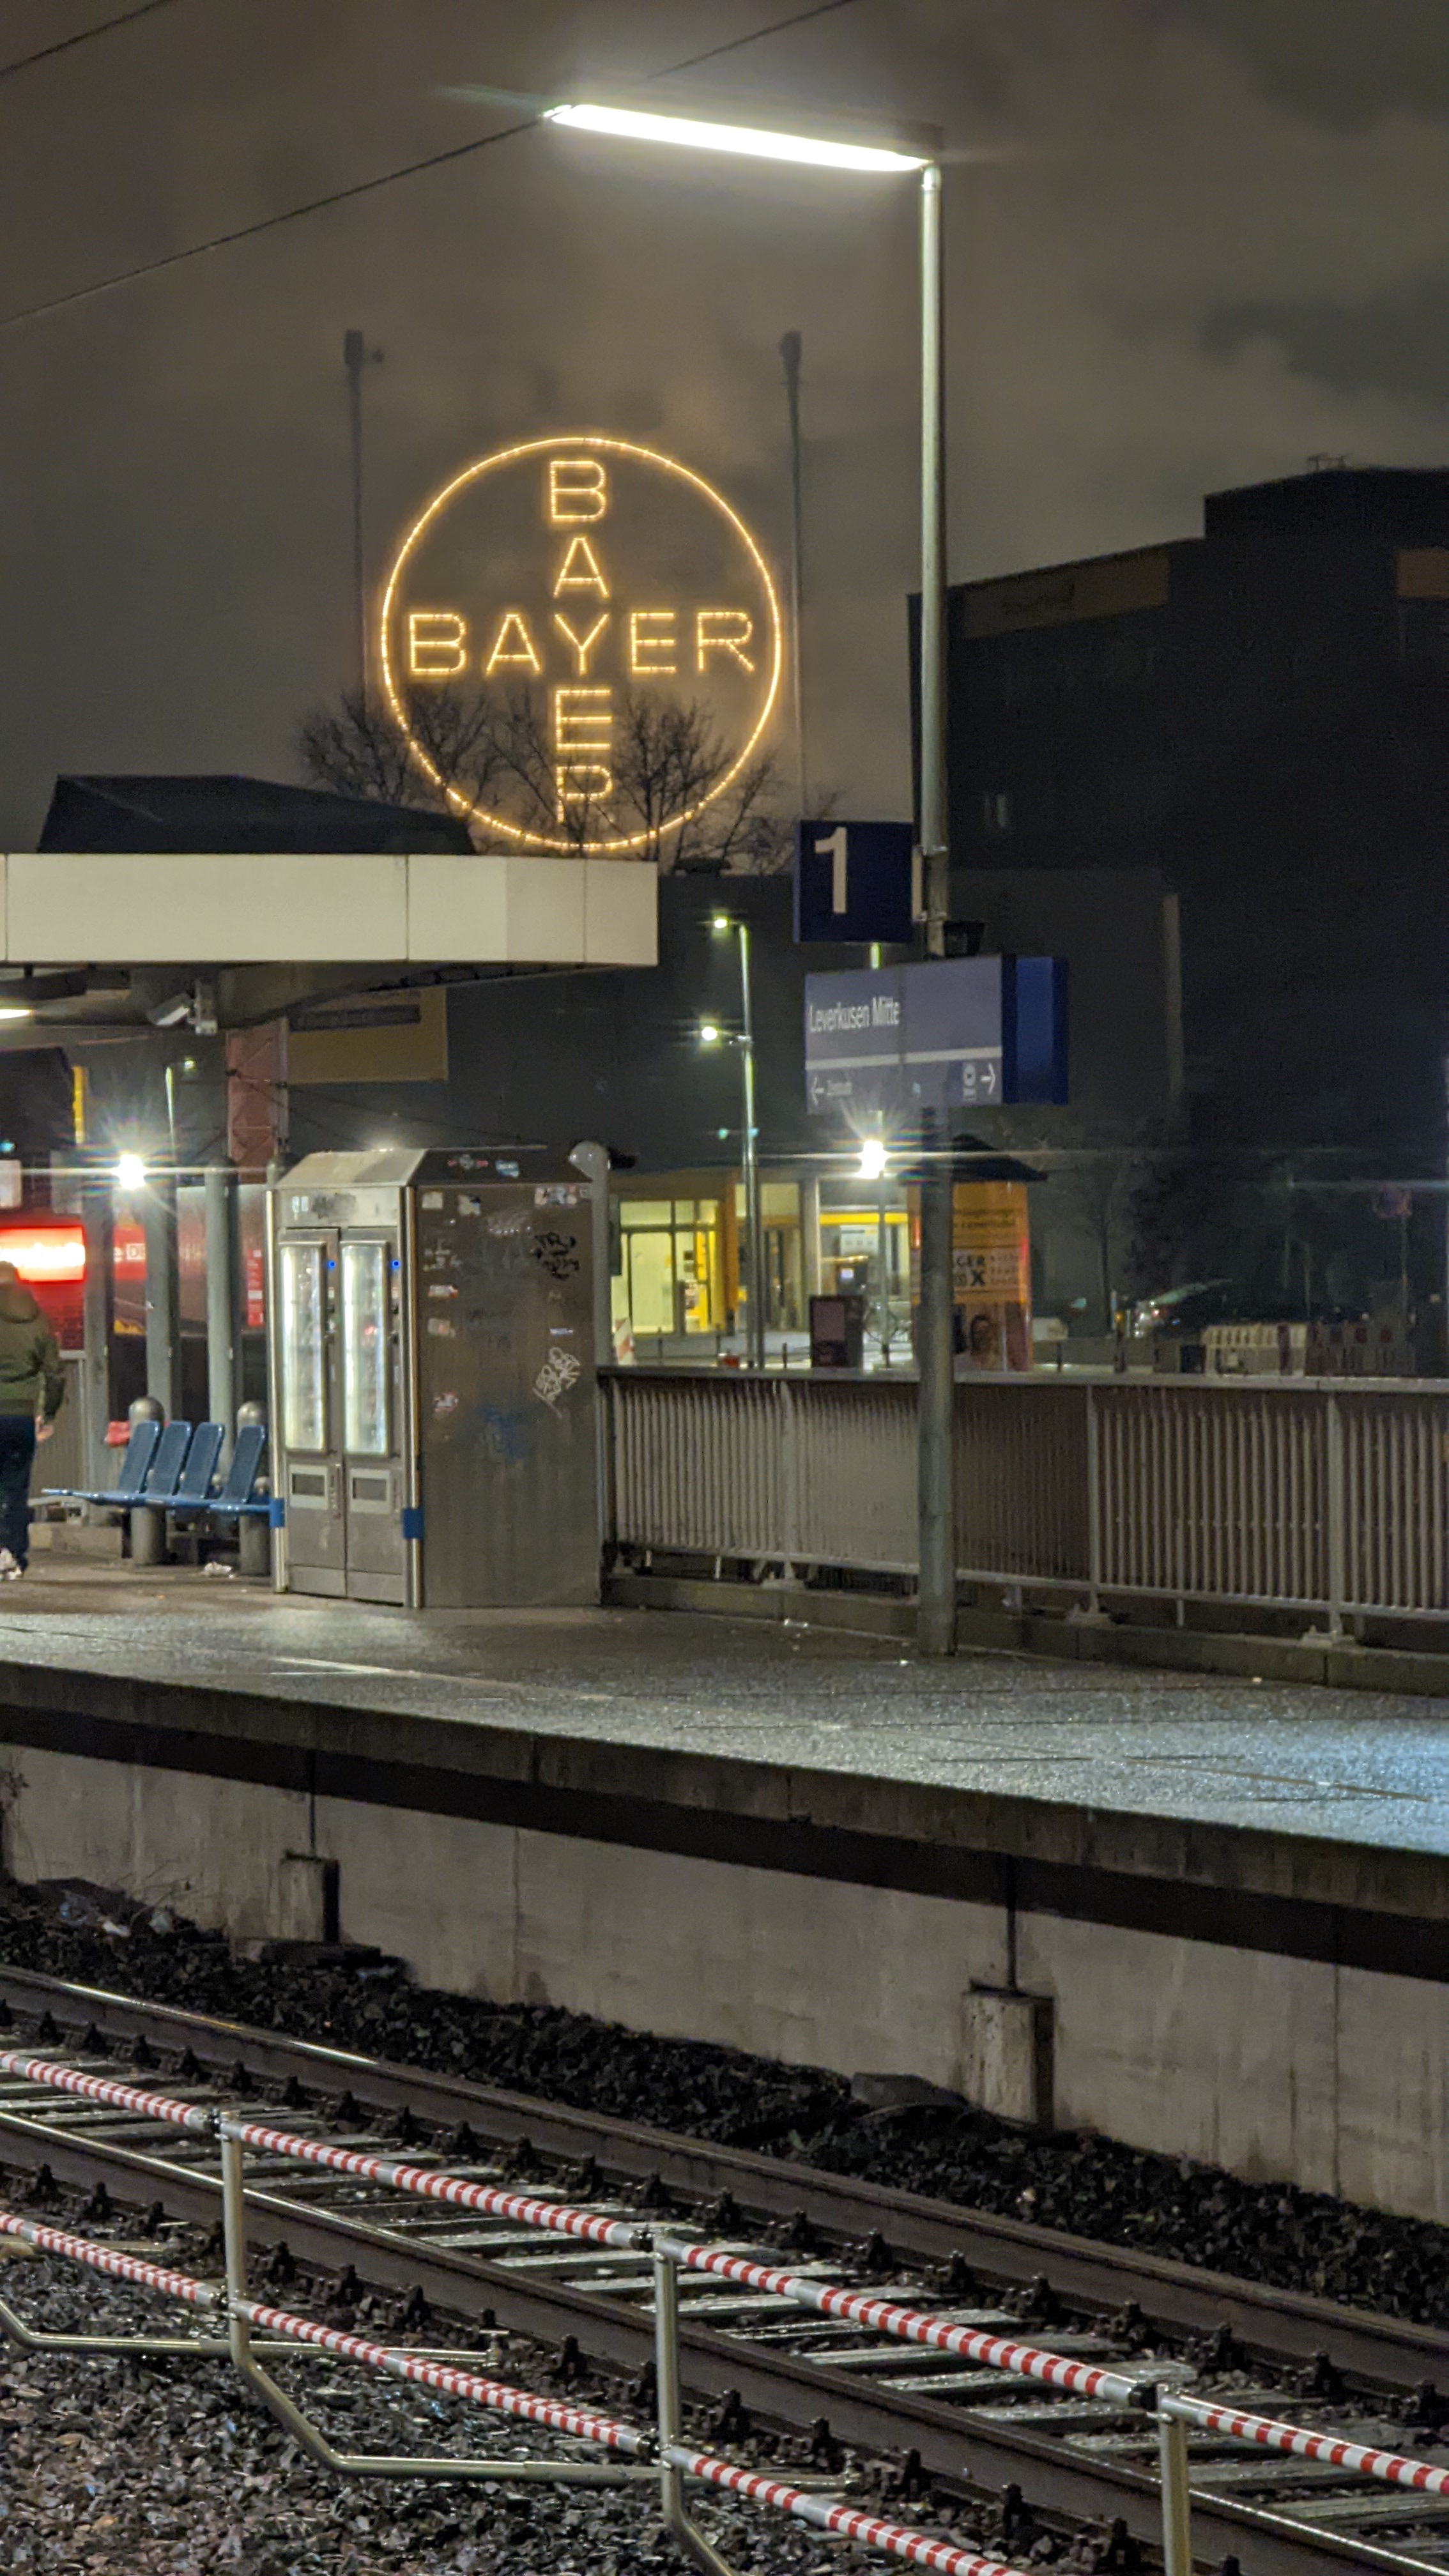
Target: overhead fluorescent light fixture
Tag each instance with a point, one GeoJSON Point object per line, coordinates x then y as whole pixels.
{"type": "Point", "coordinates": [633, 125]}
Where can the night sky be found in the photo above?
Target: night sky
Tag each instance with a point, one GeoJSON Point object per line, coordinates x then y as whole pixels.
{"type": "Point", "coordinates": [1198, 243]}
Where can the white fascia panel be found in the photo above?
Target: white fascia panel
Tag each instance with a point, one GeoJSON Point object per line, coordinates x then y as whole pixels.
{"type": "Point", "coordinates": [546, 911]}
{"type": "Point", "coordinates": [74, 907]}
{"type": "Point", "coordinates": [77, 907]}
{"type": "Point", "coordinates": [621, 913]}
{"type": "Point", "coordinates": [457, 910]}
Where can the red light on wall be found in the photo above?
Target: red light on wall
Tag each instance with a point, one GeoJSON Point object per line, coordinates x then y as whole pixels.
{"type": "Point", "coordinates": [58, 1252]}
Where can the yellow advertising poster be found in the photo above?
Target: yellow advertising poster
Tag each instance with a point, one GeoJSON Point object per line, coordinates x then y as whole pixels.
{"type": "Point", "coordinates": [991, 1272]}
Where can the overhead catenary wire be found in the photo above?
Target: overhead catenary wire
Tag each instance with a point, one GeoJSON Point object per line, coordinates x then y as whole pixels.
{"type": "Point", "coordinates": [83, 36]}
{"type": "Point", "coordinates": [357, 188]}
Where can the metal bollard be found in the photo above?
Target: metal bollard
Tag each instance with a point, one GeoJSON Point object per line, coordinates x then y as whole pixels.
{"type": "Point", "coordinates": [148, 1536]}
{"type": "Point", "coordinates": [1176, 2500]}
{"type": "Point", "coordinates": [254, 1545]}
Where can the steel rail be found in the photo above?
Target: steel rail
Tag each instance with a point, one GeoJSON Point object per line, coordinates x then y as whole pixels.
{"type": "Point", "coordinates": [785, 2386]}
{"type": "Point", "coordinates": [950, 2444]}
{"type": "Point", "coordinates": [1279, 2325]}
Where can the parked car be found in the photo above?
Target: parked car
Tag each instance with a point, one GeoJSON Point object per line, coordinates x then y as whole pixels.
{"type": "Point", "coordinates": [1187, 1311]}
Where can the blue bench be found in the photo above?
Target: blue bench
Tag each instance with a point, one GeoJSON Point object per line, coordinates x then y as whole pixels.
{"type": "Point", "coordinates": [235, 1499]}
{"type": "Point", "coordinates": [149, 1470]}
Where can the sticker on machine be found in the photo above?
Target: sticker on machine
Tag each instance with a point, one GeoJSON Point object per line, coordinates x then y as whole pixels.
{"type": "Point", "coordinates": [443, 1326]}
{"type": "Point", "coordinates": [445, 1404]}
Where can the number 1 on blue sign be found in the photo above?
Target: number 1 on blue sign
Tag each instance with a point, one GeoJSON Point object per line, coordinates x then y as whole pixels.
{"type": "Point", "coordinates": [833, 847]}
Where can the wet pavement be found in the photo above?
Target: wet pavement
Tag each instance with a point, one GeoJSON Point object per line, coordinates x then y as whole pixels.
{"type": "Point", "coordinates": [1352, 1766]}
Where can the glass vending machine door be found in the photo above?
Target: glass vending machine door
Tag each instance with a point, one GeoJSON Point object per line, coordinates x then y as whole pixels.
{"type": "Point", "coordinates": [372, 1459]}
{"type": "Point", "coordinates": [312, 1490]}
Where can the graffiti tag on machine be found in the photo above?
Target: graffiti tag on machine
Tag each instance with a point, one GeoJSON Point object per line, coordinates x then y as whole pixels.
{"type": "Point", "coordinates": [557, 1375]}
{"type": "Point", "coordinates": [557, 1253]}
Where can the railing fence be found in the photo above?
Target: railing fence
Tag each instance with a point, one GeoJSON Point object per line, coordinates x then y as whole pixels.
{"type": "Point", "coordinates": [1330, 1498]}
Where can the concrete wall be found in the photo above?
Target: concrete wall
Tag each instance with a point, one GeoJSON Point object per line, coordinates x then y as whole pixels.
{"type": "Point", "coordinates": [1336, 2078]}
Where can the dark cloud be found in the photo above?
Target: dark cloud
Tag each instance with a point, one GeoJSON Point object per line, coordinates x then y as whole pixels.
{"type": "Point", "coordinates": [1205, 240]}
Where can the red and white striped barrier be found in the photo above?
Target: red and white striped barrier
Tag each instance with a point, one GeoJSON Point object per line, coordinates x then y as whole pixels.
{"type": "Point", "coordinates": [106, 2258]}
{"type": "Point", "coordinates": [426, 2181]}
{"type": "Point", "coordinates": [429, 2183]}
{"type": "Point", "coordinates": [880, 2316]}
{"type": "Point", "coordinates": [1358, 2458]}
{"type": "Point", "coordinates": [909, 2325]}
{"type": "Point", "coordinates": [495, 2394]}
{"type": "Point", "coordinates": [441, 2376]}
{"type": "Point", "coordinates": [100, 2088]}
{"type": "Point", "coordinates": [895, 2539]}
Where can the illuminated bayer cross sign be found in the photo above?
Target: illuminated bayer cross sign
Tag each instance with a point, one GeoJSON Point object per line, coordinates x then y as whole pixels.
{"type": "Point", "coordinates": [600, 582]}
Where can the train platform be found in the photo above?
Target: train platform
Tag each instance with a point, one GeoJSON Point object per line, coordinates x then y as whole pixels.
{"type": "Point", "coordinates": [1203, 1913]}
{"type": "Point", "coordinates": [1366, 1768]}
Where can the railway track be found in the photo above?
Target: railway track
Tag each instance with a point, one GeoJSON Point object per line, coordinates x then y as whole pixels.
{"type": "Point", "coordinates": [1076, 2461]}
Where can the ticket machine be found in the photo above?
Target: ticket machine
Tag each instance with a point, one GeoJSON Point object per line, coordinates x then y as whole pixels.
{"type": "Point", "coordinates": [432, 1354]}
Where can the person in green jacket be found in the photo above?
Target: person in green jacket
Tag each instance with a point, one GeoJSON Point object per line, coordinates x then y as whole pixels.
{"type": "Point", "coordinates": [32, 1391]}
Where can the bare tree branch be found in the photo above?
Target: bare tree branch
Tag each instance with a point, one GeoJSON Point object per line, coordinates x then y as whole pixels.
{"type": "Point", "coordinates": [666, 761]}
{"type": "Point", "coordinates": [355, 749]}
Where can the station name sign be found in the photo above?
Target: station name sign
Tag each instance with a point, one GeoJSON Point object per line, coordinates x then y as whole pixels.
{"type": "Point", "coordinates": [955, 1033]}
{"type": "Point", "coordinates": [597, 576]}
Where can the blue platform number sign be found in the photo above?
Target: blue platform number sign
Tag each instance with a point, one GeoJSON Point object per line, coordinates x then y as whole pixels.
{"type": "Point", "coordinates": [853, 882]}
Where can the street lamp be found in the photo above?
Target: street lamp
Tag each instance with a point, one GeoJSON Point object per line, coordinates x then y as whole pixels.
{"type": "Point", "coordinates": [936, 1596]}
{"type": "Point", "coordinates": [722, 924]}
{"type": "Point", "coordinates": [130, 1174]}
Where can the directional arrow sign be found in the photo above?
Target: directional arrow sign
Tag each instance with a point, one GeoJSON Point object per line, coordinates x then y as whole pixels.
{"type": "Point", "coordinates": [854, 1026]}
{"type": "Point", "coordinates": [953, 1032]}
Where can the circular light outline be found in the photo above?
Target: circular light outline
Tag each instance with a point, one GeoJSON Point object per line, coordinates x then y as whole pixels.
{"type": "Point", "coordinates": [509, 456]}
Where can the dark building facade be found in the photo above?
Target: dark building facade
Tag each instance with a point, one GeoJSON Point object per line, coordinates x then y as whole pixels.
{"type": "Point", "coordinates": [1261, 716]}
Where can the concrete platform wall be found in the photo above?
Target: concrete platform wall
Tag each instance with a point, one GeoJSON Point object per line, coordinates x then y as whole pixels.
{"type": "Point", "coordinates": [1276, 2067]}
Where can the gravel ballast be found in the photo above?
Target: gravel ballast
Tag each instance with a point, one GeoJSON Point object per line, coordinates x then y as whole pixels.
{"type": "Point", "coordinates": [171, 2468]}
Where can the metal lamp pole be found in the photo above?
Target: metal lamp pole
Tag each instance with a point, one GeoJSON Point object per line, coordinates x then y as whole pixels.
{"type": "Point", "coordinates": [755, 1320]}
{"type": "Point", "coordinates": [936, 1611]}
{"type": "Point", "coordinates": [790, 349]}
{"type": "Point", "coordinates": [936, 1486]}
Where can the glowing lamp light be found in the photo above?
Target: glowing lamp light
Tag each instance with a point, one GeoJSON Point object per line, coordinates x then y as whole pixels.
{"type": "Point", "coordinates": [16, 1011]}
{"type": "Point", "coordinates": [633, 125]}
{"type": "Point", "coordinates": [721, 921]}
{"type": "Point", "coordinates": [130, 1173]}
{"type": "Point", "coordinates": [872, 1158]}
{"type": "Point", "coordinates": [710, 1033]}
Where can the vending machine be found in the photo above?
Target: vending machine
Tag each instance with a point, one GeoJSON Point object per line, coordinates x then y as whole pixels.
{"type": "Point", "coordinates": [433, 1388]}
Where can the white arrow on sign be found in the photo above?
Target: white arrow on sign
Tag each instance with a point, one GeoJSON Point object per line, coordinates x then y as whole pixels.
{"type": "Point", "coordinates": [988, 1077]}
